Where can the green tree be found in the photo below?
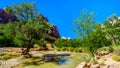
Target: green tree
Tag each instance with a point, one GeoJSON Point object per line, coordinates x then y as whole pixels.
{"type": "Point", "coordinates": [91, 34]}
{"type": "Point", "coordinates": [95, 40]}
{"type": "Point", "coordinates": [29, 30]}
{"type": "Point", "coordinates": [111, 26]}
{"type": "Point", "coordinates": [7, 34]}
{"type": "Point", "coordinates": [30, 34]}
{"type": "Point", "coordinates": [84, 25]}
{"type": "Point", "coordinates": [25, 11]}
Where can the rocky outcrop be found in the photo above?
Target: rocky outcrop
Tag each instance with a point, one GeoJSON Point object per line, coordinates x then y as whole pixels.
{"type": "Point", "coordinates": [112, 66]}
{"type": "Point", "coordinates": [53, 31]}
{"type": "Point", "coordinates": [49, 47]}
{"type": "Point", "coordinates": [5, 17]}
{"type": "Point", "coordinates": [88, 65]}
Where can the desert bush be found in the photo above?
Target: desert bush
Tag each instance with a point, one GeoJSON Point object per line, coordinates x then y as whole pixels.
{"type": "Point", "coordinates": [78, 50]}
{"type": "Point", "coordinates": [116, 47]}
{"type": "Point", "coordinates": [67, 43]}
{"type": "Point", "coordinates": [105, 49]}
{"type": "Point", "coordinates": [36, 46]}
{"type": "Point", "coordinates": [58, 49]}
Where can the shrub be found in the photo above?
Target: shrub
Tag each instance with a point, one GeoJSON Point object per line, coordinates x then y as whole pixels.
{"type": "Point", "coordinates": [116, 50]}
{"type": "Point", "coordinates": [70, 49]}
{"type": "Point", "coordinates": [6, 41]}
{"type": "Point", "coordinates": [58, 49]}
{"type": "Point", "coordinates": [67, 43]}
{"type": "Point", "coordinates": [105, 49]}
{"type": "Point", "coordinates": [36, 46]}
{"type": "Point", "coordinates": [64, 48]}
{"type": "Point", "coordinates": [77, 50]}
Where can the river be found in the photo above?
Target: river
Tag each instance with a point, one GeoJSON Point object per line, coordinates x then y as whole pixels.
{"type": "Point", "coordinates": [68, 62]}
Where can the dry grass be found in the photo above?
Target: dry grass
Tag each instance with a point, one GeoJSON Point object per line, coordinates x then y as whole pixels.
{"type": "Point", "coordinates": [116, 57]}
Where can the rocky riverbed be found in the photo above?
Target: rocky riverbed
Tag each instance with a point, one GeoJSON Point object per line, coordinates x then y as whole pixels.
{"type": "Point", "coordinates": [105, 61]}
{"type": "Point", "coordinates": [10, 63]}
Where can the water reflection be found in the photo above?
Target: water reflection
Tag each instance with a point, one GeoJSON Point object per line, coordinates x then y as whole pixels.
{"type": "Point", "coordinates": [62, 61]}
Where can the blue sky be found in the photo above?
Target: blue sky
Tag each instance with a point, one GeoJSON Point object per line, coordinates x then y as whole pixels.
{"type": "Point", "coordinates": [62, 12]}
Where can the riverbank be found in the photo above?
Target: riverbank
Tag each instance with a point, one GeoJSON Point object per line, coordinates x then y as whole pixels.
{"type": "Point", "coordinates": [105, 61]}
{"type": "Point", "coordinates": [70, 62]}
{"type": "Point", "coordinates": [10, 63]}
{"type": "Point", "coordinates": [73, 61]}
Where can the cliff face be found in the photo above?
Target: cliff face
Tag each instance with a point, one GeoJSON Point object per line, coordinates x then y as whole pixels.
{"type": "Point", "coordinates": [5, 17]}
{"type": "Point", "coordinates": [54, 31]}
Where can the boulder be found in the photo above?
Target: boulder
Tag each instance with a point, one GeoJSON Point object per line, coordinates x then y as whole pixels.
{"type": "Point", "coordinates": [95, 66]}
{"type": "Point", "coordinates": [81, 65]}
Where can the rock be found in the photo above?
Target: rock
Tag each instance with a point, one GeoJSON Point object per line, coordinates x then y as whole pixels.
{"type": "Point", "coordinates": [97, 57]}
{"type": "Point", "coordinates": [95, 66]}
{"type": "Point", "coordinates": [81, 65]}
{"type": "Point", "coordinates": [87, 65]}
{"type": "Point", "coordinates": [34, 53]}
{"type": "Point", "coordinates": [10, 63]}
{"type": "Point", "coordinates": [112, 66]}
{"type": "Point", "coordinates": [12, 49]}
{"type": "Point", "coordinates": [49, 47]}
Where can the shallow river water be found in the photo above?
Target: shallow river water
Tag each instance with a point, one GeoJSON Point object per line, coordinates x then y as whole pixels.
{"type": "Point", "coordinates": [70, 62]}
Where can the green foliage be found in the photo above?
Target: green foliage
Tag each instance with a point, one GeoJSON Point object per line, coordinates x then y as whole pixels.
{"type": "Point", "coordinates": [84, 25]}
{"type": "Point", "coordinates": [117, 47]}
{"type": "Point", "coordinates": [30, 33]}
{"type": "Point", "coordinates": [7, 33]}
{"type": "Point", "coordinates": [36, 46]}
{"type": "Point", "coordinates": [111, 27]}
{"type": "Point", "coordinates": [6, 41]}
{"type": "Point", "coordinates": [116, 51]}
{"type": "Point", "coordinates": [27, 31]}
{"type": "Point", "coordinates": [42, 42]}
{"type": "Point", "coordinates": [95, 40]}
{"type": "Point", "coordinates": [76, 42]}
{"type": "Point", "coordinates": [78, 50]}
{"type": "Point", "coordinates": [67, 43]}
{"type": "Point", "coordinates": [105, 50]}
{"type": "Point", "coordinates": [25, 11]}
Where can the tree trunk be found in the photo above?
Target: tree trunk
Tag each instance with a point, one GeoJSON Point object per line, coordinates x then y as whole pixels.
{"type": "Point", "coordinates": [29, 45]}
{"type": "Point", "coordinates": [26, 51]}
